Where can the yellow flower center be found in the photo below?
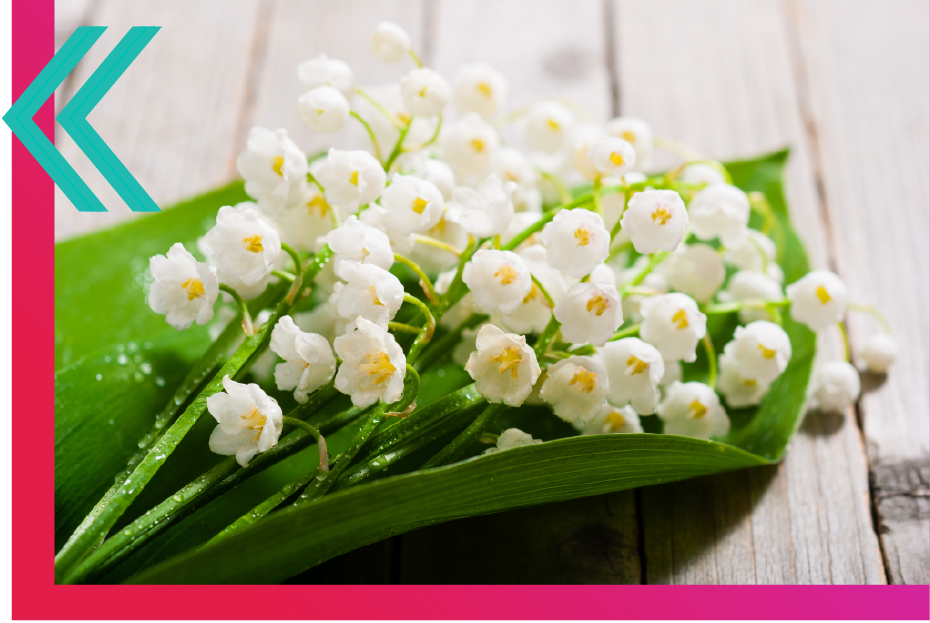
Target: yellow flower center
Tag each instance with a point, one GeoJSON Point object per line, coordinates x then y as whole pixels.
{"type": "Point", "coordinates": [585, 380]}
{"type": "Point", "coordinates": [510, 358]}
{"type": "Point", "coordinates": [506, 274]}
{"type": "Point", "coordinates": [680, 319]}
{"type": "Point", "coordinates": [379, 366]}
{"type": "Point", "coordinates": [255, 420]}
{"type": "Point", "coordinates": [318, 203]}
{"type": "Point", "coordinates": [661, 215]}
{"type": "Point", "coordinates": [194, 288]}
{"type": "Point", "coordinates": [510, 176]}
{"type": "Point", "coordinates": [353, 179]}
{"type": "Point", "coordinates": [597, 305]}
{"type": "Point", "coordinates": [403, 116]}
{"type": "Point", "coordinates": [253, 244]}
{"type": "Point", "coordinates": [750, 383]}
{"type": "Point", "coordinates": [423, 92]}
{"type": "Point", "coordinates": [484, 89]}
{"type": "Point", "coordinates": [374, 296]}
{"type": "Point", "coordinates": [768, 353]}
{"type": "Point", "coordinates": [823, 295]}
{"type": "Point", "coordinates": [635, 365]}
{"type": "Point", "coordinates": [582, 236]}
{"type": "Point", "coordinates": [628, 136]}
{"type": "Point", "coordinates": [697, 409]}
{"type": "Point", "coordinates": [477, 144]}
{"type": "Point", "coordinates": [615, 420]}
{"type": "Point", "coordinates": [277, 163]}
{"type": "Point", "coordinates": [616, 157]}
{"type": "Point", "coordinates": [419, 205]}
{"type": "Point", "coordinates": [364, 253]}
{"type": "Point", "coordinates": [553, 124]}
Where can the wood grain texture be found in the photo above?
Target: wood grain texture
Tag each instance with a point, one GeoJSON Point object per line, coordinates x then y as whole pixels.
{"type": "Point", "coordinates": [728, 90]}
{"type": "Point", "coordinates": [866, 81]}
{"type": "Point", "coordinates": [172, 117]}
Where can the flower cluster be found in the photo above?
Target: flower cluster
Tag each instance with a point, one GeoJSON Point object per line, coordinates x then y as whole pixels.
{"type": "Point", "coordinates": [596, 305]}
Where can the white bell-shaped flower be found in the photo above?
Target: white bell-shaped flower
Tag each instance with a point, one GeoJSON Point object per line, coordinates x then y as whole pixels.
{"type": "Point", "coordinates": [738, 389]}
{"type": "Point", "coordinates": [878, 353]}
{"type": "Point", "coordinates": [576, 388]}
{"type": "Point", "coordinates": [748, 285]}
{"type": "Point", "coordinates": [755, 252]}
{"type": "Point", "coordinates": [413, 204]}
{"type": "Point", "coordinates": [323, 109]}
{"type": "Point", "coordinates": [576, 241]}
{"type": "Point", "coordinates": [433, 259]}
{"type": "Point", "coordinates": [487, 211]}
{"type": "Point", "coordinates": [355, 241]}
{"type": "Point", "coordinates": [351, 178]}
{"type": "Point", "coordinates": [373, 365]}
{"type": "Point", "coordinates": [702, 173]}
{"type": "Point", "coordinates": [273, 168]}
{"type": "Point", "coordinates": [582, 140]}
{"type": "Point", "coordinates": [534, 312]}
{"type": "Point", "coordinates": [479, 89]}
{"type": "Point", "coordinates": [512, 165]}
{"type": "Point", "coordinates": [308, 359]}
{"type": "Point", "coordinates": [184, 289]}
{"type": "Point", "coordinates": [504, 367]}
{"type": "Point", "coordinates": [719, 211]}
{"type": "Point", "coordinates": [242, 246]}
{"type": "Point", "coordinates": [469, 146]}
{"type": "Point", "coordinates": [696, 270]}
{"type": "Point", "coordinates": [300, 223]}
{"type": "Point", "coordinates": [835, 387]}
{"type": "Point", "coordinates": [637, 133]}
{"type": "Point", "coordinates": [612, 156]}
{"type": "Point", "coordinates": [818, 299]}
{"type": "Point", "coordinates": [673, 324]}
{"type": "Point", "coordinates": [370, 292]}
{"type": "Point", "coordinates": [498, 280]}
{"type": "Point", "coordinates": [762, 349]}
{"type": "Point", "coordinates": [249, 421]}
{"type": "Point", "coordinates": [325, 71]}
{"type": "Point", "coordinates": [589, 313]}
{"type": "Point", "coordinates": [425, 92]}
{"type": "Point", "coordinates": [612, 420]}
{"type": "Point", "coordinates": [656, 220]}
{"type": "Point", "coordinates": [693, 410]}
{"type": "Point", "coordinates": [654, 282]}
{"type": "Point", "coordinates": [512, 438]}
{"type": "Point", "coordinates": [379, 218]}
{"type": "Point", "coordinates": [548, 125]}
{"type": "Point", "coordinates": [389, 42]}
{"type": "Point", "coordinates": [634, 369]}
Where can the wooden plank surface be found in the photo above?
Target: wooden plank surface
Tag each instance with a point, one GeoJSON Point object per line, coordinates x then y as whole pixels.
{"type": "Point", "coordinates": [723, 82]}
{"type": "Point", "coordinates": [846, 88]}
{"type": "Point", "coordinates": [866, 85]}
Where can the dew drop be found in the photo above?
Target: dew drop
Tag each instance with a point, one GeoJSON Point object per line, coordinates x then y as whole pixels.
{"type": "Point", "coordinates": [178, 498]}
{"type": "Point", "coordinates": [108, 359]}
{"type": "Point", "coordinates": [440, 373]}
{"type": "Point", "coordinates": [160, 457]}
{"type": "Point", "coordinates": [138, 377]}
{"type": "Point", "coordinates": [122, 360]}
{"type": "Point", "coordinates": [146, 367]}
{"type": "Point", "coordinates": [160, 381]}
{"type": "Point", "coordinates": [99, 377]}
{"type": "Point", "coordinates": [128, 532]}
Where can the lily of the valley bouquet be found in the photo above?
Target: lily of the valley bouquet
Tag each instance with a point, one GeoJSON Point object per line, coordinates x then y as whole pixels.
{"type": "Point", "coordinates": [560, 284]}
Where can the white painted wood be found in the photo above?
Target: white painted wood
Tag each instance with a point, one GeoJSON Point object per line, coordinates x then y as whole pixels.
{"type": "Point", "coordinates": [866, 80]}
{"type": "Point", "coordinates": [173, 115]}
{"type": "Point", "coordinates": [719, 76]}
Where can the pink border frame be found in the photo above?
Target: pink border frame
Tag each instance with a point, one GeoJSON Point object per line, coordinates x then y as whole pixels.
{"type": "Point", "coordinates": [35, 596]}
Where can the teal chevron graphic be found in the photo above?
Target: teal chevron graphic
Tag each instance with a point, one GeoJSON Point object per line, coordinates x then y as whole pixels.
{"type": "Point", "coordinates": [73, 118]}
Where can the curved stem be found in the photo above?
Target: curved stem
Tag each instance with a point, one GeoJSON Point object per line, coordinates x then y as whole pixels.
{"type": "Point", "coordinates": [545, 294]}
{"type": "Point", "coordinates": [546, 217]}
{"type": "Point", "coordinates": [454, 451]}
{"type": "Point", "coordinates": [296, 283]}
{"type": "Point", "coordinates": [545, 338]}
{"type": "Point", "coordinates": [286, 276]}
{"type": "Point", "coordinates": [247, 326]}
{"type": "Point", "coordinates": [321, 442]}
{"type": "Point", "coordinates": [677, 148]}
{"type": "Point", "coordinates": [711, 360]}
{"type": "Point", "coordinates": [735, 306]}
{"type": "Point", "coordinates": [628, 332]}
{"type": "Point", "coordinates": [654, 260]}
{"type": "Point", "coordinates": [398, 146]}
{"type": "Point", "coordinates": [380, 108]}
{"type": "Point", "coordinates": [432, 139]}
{"type": "Point", "coordinates": [426, 333]}
{"type": "Point", "coordinates": [557, 183]}
{"type": "Point", "coordinates": [868, 309]}
{"type": "Point", "coordinates": [845, 336]}
{"type": "Point", "coordinates": [439, 244]}
{"type": "Point", "coordinates": [415, 57]}
{"type": "Point", "coordinates": [448, 341]}
{"type": "Point", "coordinates": [404, 328]}
{"type": "Point", "coordinates": [425, 282]}
{"type": "Point", "coordinates": [371, 135]}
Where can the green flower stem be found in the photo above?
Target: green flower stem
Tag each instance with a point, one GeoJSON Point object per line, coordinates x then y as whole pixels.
{"type": "Point", "coordinates": [415, 57]}
{"type": "Point", "coordinates": [628, 332]}
{"type": "Point", "coordinates": [597, 197]}
{"type": "Point", "coordinates": [286, 276]}
{"type": "Point", "coordinates": [431, 140]}
{"type": "Point", "coordinates": [297, 282]}
{"type": "Point", "coordinates": [447, 341]}
{"type": "Point", "coordinates": [711, 360]}
{"type": "Point", "coordinates": [542, 290]}
{"type": "Point", "coordinates": [626, 203]}
{"type": "Point", "coordinates": [398, 146]}
{"type": "Point", "coordinates": [371, 135]}
{"type": "Point", "coordinates": [439, 244]}
{"type": "Point", "coordinates": [425, 282]}
{"type": "Point", "coordinates": [320, 440]}
{"type": "Point", "coordinates": [735, 306]}
{"type": "Point", "coordinates": [868, 309]}
{"type": "Point", "coordinates": [654, 260]}
{"type": "Point", "coordinates": [460, 445]}
{"type": "Point", "coordinates": [546, 337]}
{"type": "Point", "coordinates": [457, 289]}
{"type": "Point", "coordinates": [209, 486]}
{"type": "Point", "coordinates": [564, 195]}
{"type": "Point", "coordinates": [546, 217]}
{"type": "Point", "coordinates": [405, 328]}
{"type": "Point", "coordinates": [247, 325]}
{"type": "Point", "coordinates": [133, 485]}
{"type": "Point", "coordinates": [426, 333]}
{"type": "Point", "coordinates": [843, 333]}
{"type": "Point", "coordinates": [198, 373]}
{"type": "Point", "coordinates": [380, 108]}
